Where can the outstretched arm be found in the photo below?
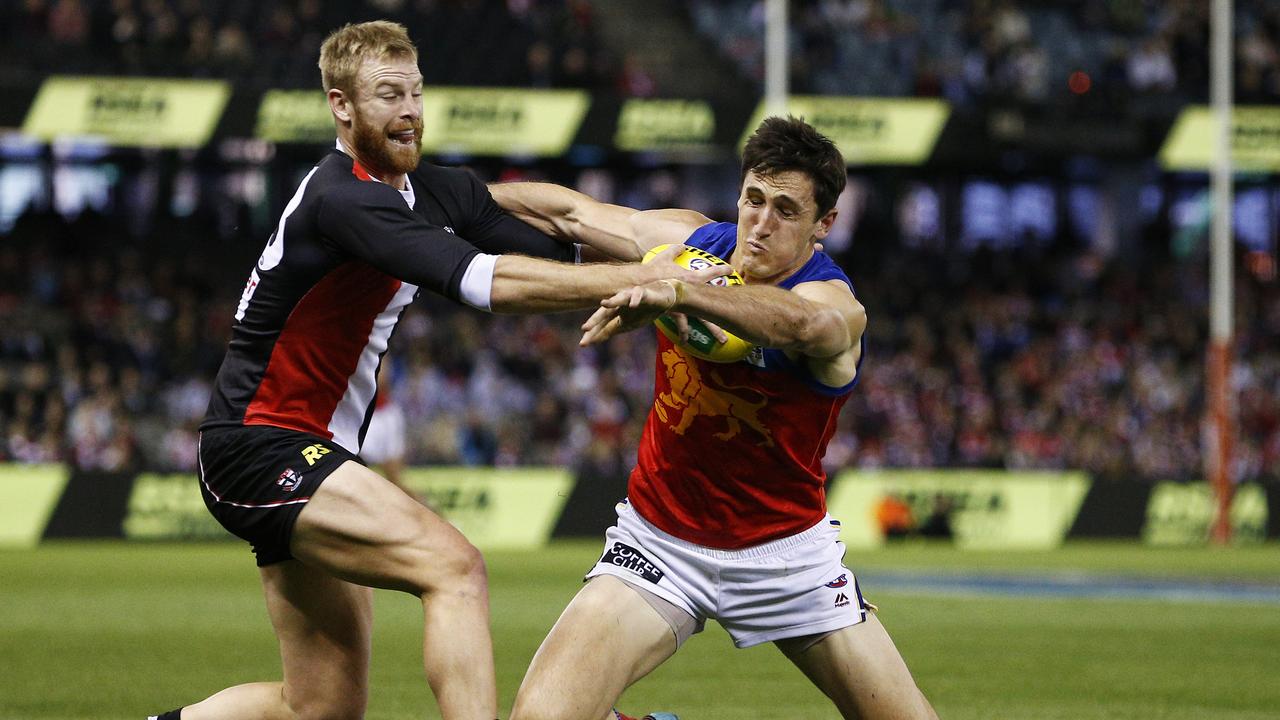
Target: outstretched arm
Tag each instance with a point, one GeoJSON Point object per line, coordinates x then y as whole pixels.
{"type": "Point", "coordinates": [616, 231]}
{"type": "Point", "coordinates": [568, 214]}
{"type": "Point", "coordinates": [371, 222]}
{"type": "Point", "coordinates": [532, 285]}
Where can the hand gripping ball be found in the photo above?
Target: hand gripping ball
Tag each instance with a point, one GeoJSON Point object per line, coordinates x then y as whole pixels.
{"type": "Point", "coordinates": [701, 343]}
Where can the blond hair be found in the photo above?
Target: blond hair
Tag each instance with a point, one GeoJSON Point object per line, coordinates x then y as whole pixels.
{"type": "Point", "coordinates": [346, 49]}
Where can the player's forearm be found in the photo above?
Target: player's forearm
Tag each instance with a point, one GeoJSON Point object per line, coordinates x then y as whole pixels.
{"type": "Point", "coordinates": [570, 215]}
{"type": "Point", "coordinates": [531, 285]}
{"type": "Point", "coordinates": [769, 317]}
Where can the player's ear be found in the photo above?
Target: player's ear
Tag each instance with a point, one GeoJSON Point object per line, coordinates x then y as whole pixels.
{"type": "Point", "coordinates": [824, 224]}
{"type": "Point", "coordinates": [339, 105]}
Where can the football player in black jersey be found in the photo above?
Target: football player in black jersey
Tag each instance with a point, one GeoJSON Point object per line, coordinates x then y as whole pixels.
{"type": "Point", "coordinates": [368, 228]}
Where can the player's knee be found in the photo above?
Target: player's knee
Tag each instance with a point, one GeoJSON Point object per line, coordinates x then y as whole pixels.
{"type": "Point", "coordinates": [469, 569]}
{"type": "Point", "coordinates": [457, 568]}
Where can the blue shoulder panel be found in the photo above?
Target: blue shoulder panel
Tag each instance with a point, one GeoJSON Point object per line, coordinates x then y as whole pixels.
{"type": "Point", "coordinates": [720, 239]}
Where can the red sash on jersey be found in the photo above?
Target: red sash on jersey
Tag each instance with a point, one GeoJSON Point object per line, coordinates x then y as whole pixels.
{"type": "Point", "coordinates": [732, 453]}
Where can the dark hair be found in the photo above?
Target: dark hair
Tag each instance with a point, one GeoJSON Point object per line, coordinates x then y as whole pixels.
{"type": "Point", "coordinates": [790, 143]}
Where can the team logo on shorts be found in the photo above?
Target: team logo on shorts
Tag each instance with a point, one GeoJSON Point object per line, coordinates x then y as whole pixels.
{"type": "Point", "coordinates": [629, 558]}
{"type": "Point", "coordinates": [839, 582]}
{"type": "Point", "coordinates": [289, 480]}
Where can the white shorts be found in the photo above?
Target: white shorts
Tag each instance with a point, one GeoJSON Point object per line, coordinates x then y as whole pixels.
{"type": "Point", "coordinates": [790, 587]}
{"type": "Point", "coordinates": [384, 440]}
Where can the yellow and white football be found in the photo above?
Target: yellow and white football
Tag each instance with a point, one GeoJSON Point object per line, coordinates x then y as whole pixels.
{"type": "Point", "coordinates": [701, 342]}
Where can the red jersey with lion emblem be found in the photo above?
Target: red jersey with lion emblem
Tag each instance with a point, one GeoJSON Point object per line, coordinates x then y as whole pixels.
{"type": "Point", "coordinates": [732, 452]}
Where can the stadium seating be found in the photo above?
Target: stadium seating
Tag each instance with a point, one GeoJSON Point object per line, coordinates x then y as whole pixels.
{"type": "Point", "coordinates": [1091, 364]}
{"type": "Point", "coordinates": [984, 50]}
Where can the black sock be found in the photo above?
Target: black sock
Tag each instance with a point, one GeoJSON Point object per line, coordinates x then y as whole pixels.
{"type": "Point", "coordinates": [171, 715]}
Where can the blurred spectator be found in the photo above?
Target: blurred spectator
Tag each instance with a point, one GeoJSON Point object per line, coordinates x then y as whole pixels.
{"type": "Point", "coordinates": [937, 524]}
{"type": "Point", "coordinates": [634, 80]}
{"type": "Point", "coordinates": [1151, 67]}
{"type": "Point", "coordinates": [893, 516]}
{"type": "Point", "coordinates": [232, 54]}
{"type": "Point", "coordinates": [69, 24]}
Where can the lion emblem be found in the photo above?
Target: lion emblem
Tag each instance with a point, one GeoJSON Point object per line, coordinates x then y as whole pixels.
{"type": "Point", "coordinates": [694, 398]}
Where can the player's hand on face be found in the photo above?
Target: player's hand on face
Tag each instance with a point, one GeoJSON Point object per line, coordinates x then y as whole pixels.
{"type": "Point", "coordinates": [627, 310]}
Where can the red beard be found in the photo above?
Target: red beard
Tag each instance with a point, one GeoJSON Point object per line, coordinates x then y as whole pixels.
{"type": "Point", "coordinates": [374, 146]}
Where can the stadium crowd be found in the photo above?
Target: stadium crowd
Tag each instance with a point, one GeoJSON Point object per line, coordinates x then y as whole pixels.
{"type": "Point", "coordinates": [275, 42]}
{"type": "Point", "coordinates": [1128, 52]}
{"type": "Point", "coordinates": [1094, 363]}
{"type": "Point", "coordinates": [106, 356]}
{"type": "Point", "coordinates": [970, 51]}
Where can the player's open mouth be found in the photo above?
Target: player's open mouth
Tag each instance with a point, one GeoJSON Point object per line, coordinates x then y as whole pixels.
{"type": "Point", "coordinates": [405, 137]}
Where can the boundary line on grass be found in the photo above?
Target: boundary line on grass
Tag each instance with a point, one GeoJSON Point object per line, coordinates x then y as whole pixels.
{"type": "Point", "coordinates": [1072, 585]}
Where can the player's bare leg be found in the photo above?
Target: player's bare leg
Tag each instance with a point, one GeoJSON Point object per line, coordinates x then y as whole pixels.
{"type": "Point", "coordinates": [608, 638]}
{"type": "Point", "coordinates": [324, 625]}
{"type": "Point", "coordinates": [363, 529]}
{"type": "Point", "coordinates": [360, 528]}
{"type": "Point", "coordinates": [860, 669]}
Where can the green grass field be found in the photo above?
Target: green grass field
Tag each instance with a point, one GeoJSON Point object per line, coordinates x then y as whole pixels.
{"type": "Point", "coordinates": [119, 630]}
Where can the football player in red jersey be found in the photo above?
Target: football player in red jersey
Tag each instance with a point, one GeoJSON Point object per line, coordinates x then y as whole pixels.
{"type": "Point", "coordinates": [726, 514]}
{"type": "Point", "coordinates": [369, 227]}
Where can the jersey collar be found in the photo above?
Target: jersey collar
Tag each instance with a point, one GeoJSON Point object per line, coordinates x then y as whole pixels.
{"type": "Point", "coordinates": [358, 170]}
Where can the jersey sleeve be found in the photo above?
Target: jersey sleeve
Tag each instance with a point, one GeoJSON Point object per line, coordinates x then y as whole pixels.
{"type": "Point", "coordinates": [372, 222]}
{"type": "Point", "coordinates": [494, 231]}
{"type": "Point", "coordinates": [821, 267]}
{"type": "Point", "coordinates": [717, 238]}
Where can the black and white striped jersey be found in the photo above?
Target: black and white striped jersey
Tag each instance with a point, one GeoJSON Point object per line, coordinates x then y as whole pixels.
{"type": "Point", "coordinates": [348, 255]}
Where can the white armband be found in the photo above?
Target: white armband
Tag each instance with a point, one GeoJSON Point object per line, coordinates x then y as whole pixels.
{"type": "Point", "coordinates": [477, 282]}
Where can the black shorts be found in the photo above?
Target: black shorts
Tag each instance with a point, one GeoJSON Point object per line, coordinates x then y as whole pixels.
{"type": "Point", "coordinates": [256, 479]}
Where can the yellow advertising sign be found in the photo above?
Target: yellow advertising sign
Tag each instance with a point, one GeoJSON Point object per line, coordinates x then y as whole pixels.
{"type": "Point", "coordinates": [988, 508]}
{"type": "Point", "coordinates": [128, 112]}
{"type": "Point", "coordinates": [1182, 513]}
{"type": "Point", "coordinates": [28, 495]}
{"type": "Point", "coordinates": [496, 508]}
{"type": "Point", "coordinates": [1255, 139]}
{"type": "Point", "coordinates": [295, 116]}
{"type": "Point", "coordinates": [463, 121]}
{"type": "Point", "coordinates": [646, 125]}
{"type": "Point", "coordinates": [498, 121]}
{"type": "Point", "coordinates": [870, 131]}
{"type": "Point", "coordinates": [169, 507]}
